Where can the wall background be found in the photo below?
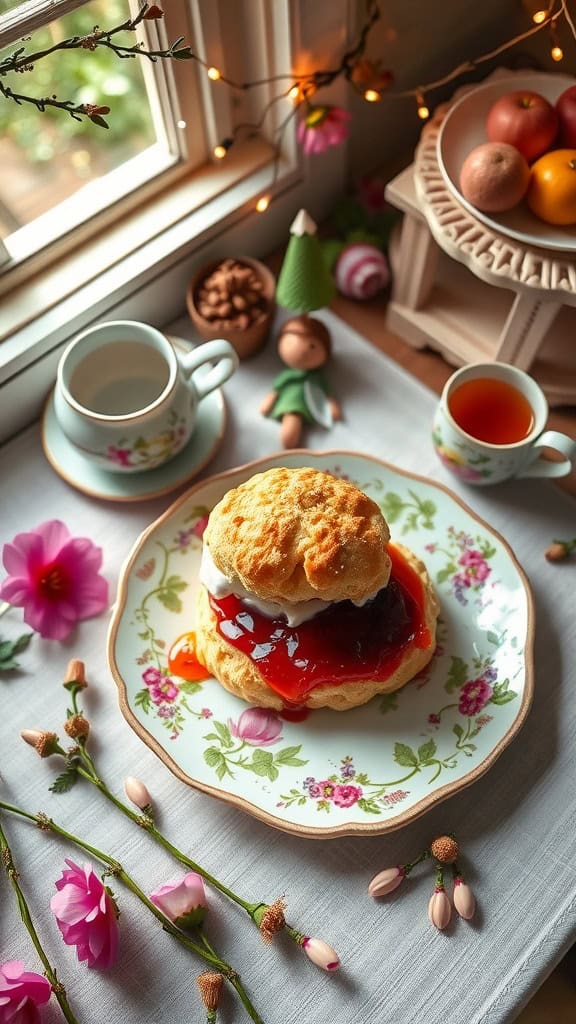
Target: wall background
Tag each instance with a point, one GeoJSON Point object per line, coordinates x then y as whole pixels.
{"type": "Point", "coordinates": [422, 40]}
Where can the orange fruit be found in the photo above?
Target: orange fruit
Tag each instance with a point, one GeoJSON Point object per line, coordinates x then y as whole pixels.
{"type": "Point", "coordinates": [494, 177]}
{"type": "Point", "coordinates": [552, 191]}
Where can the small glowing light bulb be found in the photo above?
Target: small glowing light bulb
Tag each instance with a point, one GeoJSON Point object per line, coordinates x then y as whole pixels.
{"type": "Point", "coordinates": [557, 53]}
{"type": "Point", "coordinates": [423, 111]}
{"type": "Point", "coordinates": [220, 152]}
{"type": "Point", "coordinates": [180, 124]}
{"type": "Point", "coordinates": [372, 96]}
{"type": "Point", "coordinates": [539, 16]}
{"type": "Point", "coordinates": [263, 204]}
{"type": "Point", "coordinates": [294, 93]}
{"type": "Point", "coordinates": [214, 74]}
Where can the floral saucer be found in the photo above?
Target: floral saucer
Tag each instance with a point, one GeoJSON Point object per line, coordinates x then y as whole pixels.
{"type": "Point", "coordinates": [80, 472]}
{"type": "Point", "coordinates": [365, 771]}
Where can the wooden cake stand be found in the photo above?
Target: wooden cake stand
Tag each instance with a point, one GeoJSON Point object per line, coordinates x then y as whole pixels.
{"type": "Point", "coordinates": [474, 294]}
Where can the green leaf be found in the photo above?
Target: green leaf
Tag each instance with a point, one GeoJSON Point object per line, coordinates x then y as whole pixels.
{"type": "Point", "coordinates": [388, 702]}
{"type": "Point", "coordinates": [458, 731]}
{"type": "Point", "coordinates": [427, 509]}
{"type": "Point", "coordinates": [170, 600]}
{"type": "Point", "coordinates": [503, 698]}
{"type": "Point", "coordinates": [64, 782]}
{"type": "Point", "coordinates": [260, 756]}
{"type": "Point", "coordinates": [493, 638]}
{"type": "Point", "coordinates": [369, 806]}
{"type": "Point", "coordinates": [445, 574]}
{"type": "Point", "coordinates": [263, 768]}
{"type": "Point", "coordinates": [391, 506]}
{"type": "Point", "coordinates": [185, 53]}
{"type": "Point", "coordinates": [142, 700]}
{"type": "Point", "coordinates": [457, 674]}
{"type": "Point", "coordinates": [288, 756]}
{"type": "Point", "coordinates": [426, 751]}
{"type": "Point", "coordinates": [185, 686]}
{"type": "Point", "coordinates": [10, 648]}
{"type": "Point", "coordinates": [405, 756]}
{"type": "Point", "coordinates": [224, 734]}
{"type": "Point", "coordinates": [213, 757]}
{"type": "Point", "coordinates": [176, 583]}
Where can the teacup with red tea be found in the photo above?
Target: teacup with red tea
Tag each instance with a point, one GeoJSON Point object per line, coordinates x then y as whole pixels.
{"type": "Point", "coordinates": [489, 426]}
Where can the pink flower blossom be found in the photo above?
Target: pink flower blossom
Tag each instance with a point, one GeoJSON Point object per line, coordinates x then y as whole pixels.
{"type": "Point", "coordinates": [121, 456]}
{"type": "Point", "coordinates": [200, 526]}
{"type": "Point", "coordinates": [257, 726]}
{"type": "Point", "coordinates": [54, 578]}
{"type": "Point", "coordinates": [346, 796]}
{"type": "Point", "coordinates": [183, 901]}
{"type": "Point", "coordinates": [476, 565]}
{"type": "Point", "coordinates": [323, 790]}
{"type": "Point", "coordinates": [434, 719]}
{"type": "Point", "coordinates": [323, 127]}
{"type": "Point", "coordinates": [21, 993]}
{"type": "Point", "coordinates": [86, 914]}
{"type": "Point", "coordinates": [162, 688]}
{"type": "Point", "coordinates": [206, 713]}
{"type": "Point", "coordinates": [473, 696]}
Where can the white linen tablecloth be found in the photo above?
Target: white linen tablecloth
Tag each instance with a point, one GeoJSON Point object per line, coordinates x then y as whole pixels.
{"type": "Point", "coordinates": [516, 825]}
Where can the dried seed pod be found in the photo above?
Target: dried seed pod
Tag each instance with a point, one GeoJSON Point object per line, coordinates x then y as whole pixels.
{"type": "Point", "coordinates": [444, 849]}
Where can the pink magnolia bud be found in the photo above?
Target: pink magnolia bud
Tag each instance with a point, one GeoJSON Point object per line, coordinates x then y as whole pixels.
{"type": "Point", "coordinates": [321, 954]}
{"type": "Point", "coordinates": [386, 881]}
{"type": "Point", "coordinates": [464, 900]}
{"type": "Point", "coordinates": [136, 792]}
{"type": "Point", "coordinates": [439, 909]}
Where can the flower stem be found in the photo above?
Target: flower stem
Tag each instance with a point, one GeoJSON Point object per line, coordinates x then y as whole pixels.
{"type": "Point", "coordinates": [49, 825]}
{"type": "Point", "coordinates": [4, 607]}
{"type": "Point", "coordinates": [89, 773]}
{"type": "Point", "coordinates": [57, 987]}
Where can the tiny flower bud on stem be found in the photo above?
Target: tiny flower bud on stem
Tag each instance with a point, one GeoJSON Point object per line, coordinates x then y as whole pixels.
{"type": "Point", "coordinates": [137, 792]}
{"type": "Point", "coordinates": [210, 985]}
{"type": "Point", "coordinates": [321, 954]}
{"type": "Point", "coordinates": [45, 743]}
{"type": "Point", "coordinates": [75, 675]}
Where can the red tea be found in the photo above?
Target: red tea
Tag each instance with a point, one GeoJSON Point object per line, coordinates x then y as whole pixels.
{"type": "Point", "coordinates": [491, 410]}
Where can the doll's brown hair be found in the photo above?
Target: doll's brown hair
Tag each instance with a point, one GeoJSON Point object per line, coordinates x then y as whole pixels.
{"type": "Point", "coordinates": [305, 325]}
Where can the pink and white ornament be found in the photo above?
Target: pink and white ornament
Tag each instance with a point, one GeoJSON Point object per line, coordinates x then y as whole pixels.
{"type": "Point", "coordinates": [361, 271]}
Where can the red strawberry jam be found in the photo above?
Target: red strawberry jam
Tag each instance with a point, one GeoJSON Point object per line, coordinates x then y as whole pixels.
{"type": "Point", "coordinates": [342, 644]}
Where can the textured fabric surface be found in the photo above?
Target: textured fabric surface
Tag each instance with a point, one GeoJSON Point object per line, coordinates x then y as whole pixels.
{"type": "Point", "coordinates": [516, 825]}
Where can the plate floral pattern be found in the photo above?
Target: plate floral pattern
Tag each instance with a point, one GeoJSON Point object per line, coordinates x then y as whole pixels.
{"type": "Point", "coordinates": [369, 770]}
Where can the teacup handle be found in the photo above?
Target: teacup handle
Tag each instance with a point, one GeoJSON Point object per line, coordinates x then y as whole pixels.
{"type": "Point", "coordinates": [542, 467]}
{"type": "Point", "coordinates": [227, 364]}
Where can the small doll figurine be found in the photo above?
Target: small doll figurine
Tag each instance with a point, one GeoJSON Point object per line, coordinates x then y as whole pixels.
{"type": "Point", "coordinates": [301, 393]}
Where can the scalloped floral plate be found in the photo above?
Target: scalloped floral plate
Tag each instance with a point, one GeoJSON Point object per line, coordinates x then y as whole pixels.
{"type": "Point", "coordinates": [365, 771]}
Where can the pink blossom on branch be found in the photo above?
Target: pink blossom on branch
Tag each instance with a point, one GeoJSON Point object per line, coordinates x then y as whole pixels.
{"type": "Point", "coordinates": [21, 993]}
{"type": "Point", "coordinates": [323, 127]}
{"type": "Point", "coordinates": [183, 901]}
{"type": "Point", "coordinates": [86, 914]}
{"type": "Point", "coordinates": [54, 577]}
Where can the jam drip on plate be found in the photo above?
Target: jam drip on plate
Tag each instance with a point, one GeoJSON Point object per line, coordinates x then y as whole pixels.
{"type": "Point", "coordinates": [342, 644]}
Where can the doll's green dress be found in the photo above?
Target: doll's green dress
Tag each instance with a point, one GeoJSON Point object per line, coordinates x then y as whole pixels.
{"type": "Point", "coordinates": [291, 387]}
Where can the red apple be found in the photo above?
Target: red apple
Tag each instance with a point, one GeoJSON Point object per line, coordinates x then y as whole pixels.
{"type": "Point", "coordinates": [566, 110]}
{"type": "Point", "coordinates": [524, 119]}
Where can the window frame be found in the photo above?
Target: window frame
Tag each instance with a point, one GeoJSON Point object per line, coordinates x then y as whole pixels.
{"type": "Point", "coordinates": [149, 282]}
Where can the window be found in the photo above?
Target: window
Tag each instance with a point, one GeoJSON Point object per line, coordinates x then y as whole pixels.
{"type": "Point", "coordinates": [165, 202]}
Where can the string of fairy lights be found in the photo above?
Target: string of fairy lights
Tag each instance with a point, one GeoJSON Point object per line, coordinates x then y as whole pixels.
{"type": "Point", "coordinates": [299, 89]}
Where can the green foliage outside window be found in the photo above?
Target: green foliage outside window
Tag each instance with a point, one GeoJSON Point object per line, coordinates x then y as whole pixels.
{"type": "Point", "coordinates": [99, 77]}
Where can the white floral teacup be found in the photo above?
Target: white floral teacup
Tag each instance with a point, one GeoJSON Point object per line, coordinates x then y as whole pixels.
{"type": "Point", "coordinates": [128, 400]}
{"type": "Point", "coordinates": [489, 426]}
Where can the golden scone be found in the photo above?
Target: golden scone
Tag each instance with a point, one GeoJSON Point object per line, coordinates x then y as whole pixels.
{"type": "Point", "coordinates": [291, 535]}
{"type": "Point", "coordinates": [241, 676]}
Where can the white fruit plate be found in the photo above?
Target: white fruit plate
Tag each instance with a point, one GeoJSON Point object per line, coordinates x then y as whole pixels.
{"type": "Point", "coordinates": [464, 128]}
{"type": "Point", "coordinates": [360, 772]}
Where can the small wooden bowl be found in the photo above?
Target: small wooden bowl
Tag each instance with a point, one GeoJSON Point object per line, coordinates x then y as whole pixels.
{"type": "Point", "coordinates": [246, 340]}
